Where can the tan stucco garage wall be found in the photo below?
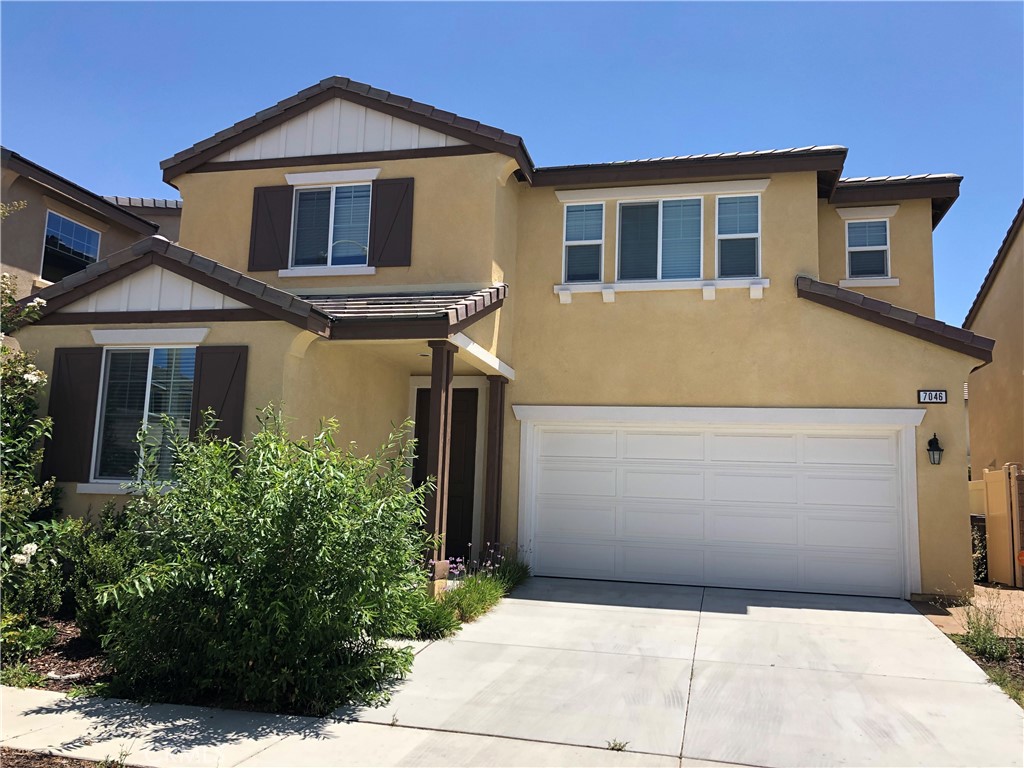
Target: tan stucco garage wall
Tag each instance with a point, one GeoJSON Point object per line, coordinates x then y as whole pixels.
{"type": "Point", "coordinates": [308, 378]}
{"type": "Point", "coordinates": [910, 255]}
{"type": "Point", "coordinates": [735, 351]}
{"type": "Point", "coordinates": [997, 391]}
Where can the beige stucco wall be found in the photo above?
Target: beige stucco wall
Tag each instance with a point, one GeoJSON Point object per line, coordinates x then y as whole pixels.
{"type": "Point", "coordinates": [21, 235]}
{"type": "Point", "coordinates": [672, 348]}
{"type": "Point", "coordinates": [306, 377]}
{"type": "Point", "coordinates": [910, 255]}
{"type": "Point", "coordinates": [997, 391]}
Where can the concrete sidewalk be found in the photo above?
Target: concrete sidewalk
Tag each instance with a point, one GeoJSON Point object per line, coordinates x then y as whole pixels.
{"type": "Point", "coordinates": [162, 735]}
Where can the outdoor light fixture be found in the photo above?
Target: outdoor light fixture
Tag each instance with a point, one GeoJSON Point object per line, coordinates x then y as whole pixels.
{"type": "Point", "coordinates": [934, 450]}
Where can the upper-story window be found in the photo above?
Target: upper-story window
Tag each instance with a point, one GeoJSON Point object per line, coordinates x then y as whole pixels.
{"type": "Point", "coordinates": [867, 248]}
{"type": "Point", "coordinates": [67, 247]}
{"type": "Point", "coordinates": [140, 386]}
{"type": "Point", "coordinates": [739, 236]}
{"type": "Point", "coordinates": [660, 240]}
{"type": "Point", "coordinates": [332, 226]}
{"type": "Point", "coordinates": [584, 242]}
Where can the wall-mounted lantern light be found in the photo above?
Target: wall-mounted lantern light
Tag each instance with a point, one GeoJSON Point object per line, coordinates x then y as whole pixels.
{"type": "Point", "coordinates": [934, 450]}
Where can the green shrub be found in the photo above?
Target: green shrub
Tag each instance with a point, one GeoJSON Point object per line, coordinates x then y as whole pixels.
{"type": "Point", "coordinates": [511, 571]}
{"type": "Point", "coordinates": [271, 574]}
{"type": "Point", "coordinates": [435, 619]}
{"type": "Point", "coordinates": [981, 619]}
{"type": "Point", "coordinates": [979, 555]}
{"type": "Point", "coordinates": [473, 596]}
{"type": "Point", "coordinates": [20, 676]}
{"type": "Point", "coordinates": [20, 639]}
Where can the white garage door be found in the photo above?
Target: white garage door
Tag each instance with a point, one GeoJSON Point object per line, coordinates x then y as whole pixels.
{"type": "Point", "coordinates": [812, 510]}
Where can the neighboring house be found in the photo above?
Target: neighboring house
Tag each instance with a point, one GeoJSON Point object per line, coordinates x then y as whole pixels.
{"type": "Point", "coordinates": [996, 407]}
{"type": "Point", "coordinates": [695, 370]}
{"type": "Point", "coordinates": [64, 227]}
{"type": "Point", "coordinates": [166, 214]}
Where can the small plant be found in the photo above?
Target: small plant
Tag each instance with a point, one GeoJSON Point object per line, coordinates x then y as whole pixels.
{"type": "Point", "coordinates": [981, 620]}
{"type": "Point", "coordinates": [436, 619]}
{"type": "Point", "coordinates": [617, 746]}
{"type": "Point", "coordinates": [511, 570]}
{"type": "Point", "coordinates": [979, 555]}
{"type": "Point", "coordinates": [118, 762]}
{"type": "Point", "coordinates": [20, 639]}
{"type": "Point", "coordinates": [20, 676]}
{"type": "Point", "coordinates": [473, 596]}
{"type": "Point", "coordinates": [99, 690]}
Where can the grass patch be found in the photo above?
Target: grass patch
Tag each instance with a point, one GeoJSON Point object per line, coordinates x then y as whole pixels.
{"type": "Point", "coordinates": [100, 690]}
{"type": "Point", "coordinates": [994, 639]}
{"type": "Point", "coordinates": [474, 596]}
{"type": "Point", "coordinates": [20, 676]}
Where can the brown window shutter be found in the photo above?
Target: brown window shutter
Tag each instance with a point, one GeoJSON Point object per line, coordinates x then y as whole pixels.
{"type": "Point", "coordinates": [220, 385]}
{"type": "Point", "coordinates": [391, 223]}
{"type": "Point", "coordinates": [74, 391]}
{"type": "Point", "coordinates": [270, 238]}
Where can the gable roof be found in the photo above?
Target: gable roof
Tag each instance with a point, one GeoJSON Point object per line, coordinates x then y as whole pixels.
{"type": "Point", "coordinates": [899, 319]}
{"type": "Point", "coordinates": [472, 131]}
{"type": "Point", "coordinates": [1001, 255]}
{"type": "Point", "coordinates": [99, 205]}
{"type": "Point", "coordinates": [407, 316]}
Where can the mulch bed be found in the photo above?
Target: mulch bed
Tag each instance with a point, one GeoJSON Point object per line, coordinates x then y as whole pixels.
{"type": "Point", "coordinates": [18, 758]}
{"type": "Point", "coordinates": [70, 661]}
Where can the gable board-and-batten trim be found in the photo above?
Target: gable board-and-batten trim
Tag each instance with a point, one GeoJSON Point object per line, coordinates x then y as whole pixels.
{"type": "Point", "coordinates": [149, 336]}
{"type": "Point", "coordinates": [331, 177]}
{"type": "Point", "coordinates": [642, 414]}
{"type": "Point", "coordinates": [337, 126]}
{"type": "Point", "coordinates": [868, 212]}
{"type": "Point", "coordinates": [152, 289]}
{"type": "Point", "coordinates": [492, 362]}
{"type": "Point", "coordinates": [660, 191]}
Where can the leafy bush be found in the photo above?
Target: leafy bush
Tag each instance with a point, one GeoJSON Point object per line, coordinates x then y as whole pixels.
{"type": "Point", "coordinates": [979, 554]}
{"type": "Point", "coordinates": [20, 676]}
{"type": "Point", "coordinates": [981, 619]}
{"type": "Point", "coordinates": [271, 574]}
{"type": "Point", "coordinates": [435, 619]}
{"type": "Point", "coordinates": [473, 596]}
{"type": "Point", "coordinates": [20, 639]}
{"type": "Point", "coordinates": [510, 570]}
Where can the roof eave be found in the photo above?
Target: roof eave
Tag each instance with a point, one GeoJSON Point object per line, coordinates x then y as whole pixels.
{"type": "Point", "coordinates": [1001, 255]}
{"type": "Point", "coordinates": [942, 192]}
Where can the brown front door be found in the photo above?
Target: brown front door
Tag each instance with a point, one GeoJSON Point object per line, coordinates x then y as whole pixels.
{"type": "Point", "coordinates": [462, 465]}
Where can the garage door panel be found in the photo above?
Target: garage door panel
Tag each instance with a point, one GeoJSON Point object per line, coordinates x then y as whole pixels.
{"type": "Point", "coordinates": [569, 558]}
{"type": "Point", "coordinates": [850, 575]}
{"type": "Point", "coordinates": [577, 481]}
{"type": "Point", "coordinates": [731, 568]}
{"type": "Point", "coordinates": [851, 490]}
{"type": "Point", "coordinates": [751, 527]}
{"type": "Point", "coordinates": [673, 485]}
{"type": "Point", "coordinates": [676, 565]}
{"type": "Point", "coordinates": [560, 518]}
{"type": "Point", "coordinates": [780, 449]}
{"type": "Point", "coordinates": [764, 488]}
{"type": "Point", "coordinates": [661, 445]}
{"type": "Point", "coordinates": [583, 444]}
{"type": "Point", "coordinates": [668, 522]}
{"type": "Point", "coordinates": [850, 450]}
{"type": "Point", "coordinates": [857, 532]}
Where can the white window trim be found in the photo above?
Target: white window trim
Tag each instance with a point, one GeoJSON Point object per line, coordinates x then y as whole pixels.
{"type": "Point", "coordinates": [861, 281]}
{"type": "Point", "coordinates": [661, 217]}
{"type": "Point", "coordinates": [745, 236]}
{"type": "Point", "coordinates": [296, 271]}
{"type": "Point", "coordinates": [319, 178]}
{"type": "Point", "coordinates": [742, 187]}
{"type": "Point", "coordinates": [868, 212]}
{"type": "Point", "coordinates": [94, 480]}
{"type": "Point", "coordinates": [756, 285]}
{"type": "Point", "coordinates": [566, 244]}
{"type": "Point", "coordinates": [870, 282]}
{"type": "Point", "coordinates": [146, 337]}
{"type": "Point", "coordinates": [46, 219]}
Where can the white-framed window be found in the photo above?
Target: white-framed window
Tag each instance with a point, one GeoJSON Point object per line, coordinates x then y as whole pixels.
{"type": "Point", "coordinates": [738, 228]}
{"type": "Point", "coordinates": [138, 386]}
{"type": "Point", "coordinates": [331, 226]}
{"type": "Point", "coordinates": [660, 239]}
{"type": "Point", "coordinates": [867, 248]}
{"type": "Point", "coordinates": [68, 247]}
{"type": "Point", "coordinates": [583, 246]}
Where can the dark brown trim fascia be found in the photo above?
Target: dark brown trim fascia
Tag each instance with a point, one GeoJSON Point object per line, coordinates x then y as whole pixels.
{"type": "Point", "coordinates": [354, 157]}
{"type": "Point", "coordinates": [430, 328]}
{"type": "Point", "coordinates": [1001, 255]}
{"type": "Point", "coordinates": [478, 315]}
{"type": "Point", "coordinates": [688, 168]}
{"type": "Point", "coordinates": [155, 317]}
{"type": "Point", "coordinates": [942, 192]}
{"type": "Point", "coordinates": [493, 463]}
{"type": "Point", "coordinates": [103, 208]}
{"type": "Point", "coordinates": [898, 319]}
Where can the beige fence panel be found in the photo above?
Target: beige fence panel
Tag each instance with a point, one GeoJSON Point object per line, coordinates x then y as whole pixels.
{"type": "Point", "coordinates": [1004, 521]}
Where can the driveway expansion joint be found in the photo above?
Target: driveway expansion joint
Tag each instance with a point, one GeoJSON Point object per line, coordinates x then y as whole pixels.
{"type": "Point", "coordinates": [693, 663]}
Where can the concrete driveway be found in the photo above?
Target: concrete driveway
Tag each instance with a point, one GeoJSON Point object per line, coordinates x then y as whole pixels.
{"type": "Point", "coordinates": [685, 674]}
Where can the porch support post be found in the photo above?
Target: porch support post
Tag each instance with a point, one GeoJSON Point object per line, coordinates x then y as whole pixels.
{"type": "Point", "coordinates": [493, 458]}
{"type": "Point", "coordinates": [438, 449]}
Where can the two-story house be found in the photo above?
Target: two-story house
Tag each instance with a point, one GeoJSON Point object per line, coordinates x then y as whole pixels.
{"type": "Point", "coordinates": [688, 370]}
{"type": "Point", "coordinates": [63, 227]}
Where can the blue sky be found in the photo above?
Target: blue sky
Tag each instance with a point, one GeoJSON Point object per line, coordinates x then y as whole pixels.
{"type": "Point", "coordinates": [101, 92]}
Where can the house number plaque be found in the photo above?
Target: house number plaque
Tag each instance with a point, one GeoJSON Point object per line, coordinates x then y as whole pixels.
{"type": "Point", "coordinates": [931, 396]}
